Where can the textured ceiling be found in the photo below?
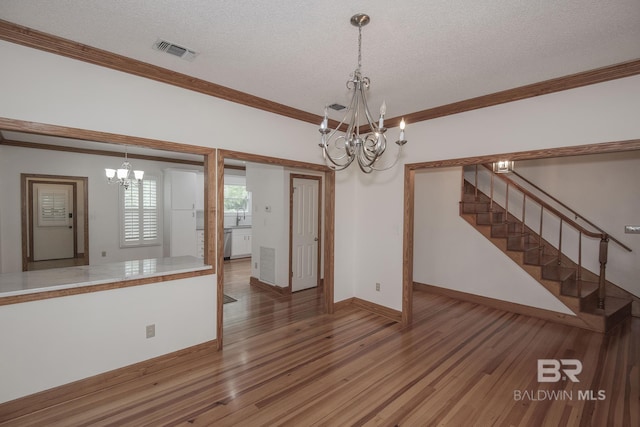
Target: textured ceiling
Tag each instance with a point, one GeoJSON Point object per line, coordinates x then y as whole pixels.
{"type": "Point", "coordinates": [418, 53]}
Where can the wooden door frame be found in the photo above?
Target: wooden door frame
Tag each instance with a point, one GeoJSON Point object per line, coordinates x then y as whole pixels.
{"type": "Point", "coordinates": [26, 214]}
{"type": "Point", "coordinates": [318, 231]}
{"type": "Point", "coordinates": [328, 231]}
{"type": "Point", "coordinates": [409, 195]}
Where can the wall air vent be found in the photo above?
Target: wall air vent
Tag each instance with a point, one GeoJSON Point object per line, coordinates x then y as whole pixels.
{"type": "Point", "coordinates": [175, 50]}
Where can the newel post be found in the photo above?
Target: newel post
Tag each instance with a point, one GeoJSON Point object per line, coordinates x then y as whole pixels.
{"type": "Point", "coordinates": [604, 240]}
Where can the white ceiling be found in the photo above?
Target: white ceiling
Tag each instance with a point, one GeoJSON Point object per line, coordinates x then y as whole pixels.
{"type": "Point", "coordinates": [418, 53]}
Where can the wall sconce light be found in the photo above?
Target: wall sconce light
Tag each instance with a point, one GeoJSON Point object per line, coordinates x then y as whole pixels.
{"type": "Point", "coordinates": [503, 166]}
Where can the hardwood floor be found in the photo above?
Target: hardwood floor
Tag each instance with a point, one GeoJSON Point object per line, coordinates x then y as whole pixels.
{"type": "Point", "coordinates": [257, 311]}
{"type": "Point", "coordinates": [459, 364]}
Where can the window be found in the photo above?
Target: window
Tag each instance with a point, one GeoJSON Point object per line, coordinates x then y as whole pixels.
{"type": "Point", "coordinates": [139, 214]}
{"type": "Point", "coordinates": [236, 196]}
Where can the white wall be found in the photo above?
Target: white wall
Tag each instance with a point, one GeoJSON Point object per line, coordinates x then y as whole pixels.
{"type": "Point", "coordinates": [270, 218]}
{"type": "Point", "coordinates": [55, 341]}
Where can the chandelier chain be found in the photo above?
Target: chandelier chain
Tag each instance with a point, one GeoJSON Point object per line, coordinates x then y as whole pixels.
{"type": "Point", "coordinates": [359, 48]}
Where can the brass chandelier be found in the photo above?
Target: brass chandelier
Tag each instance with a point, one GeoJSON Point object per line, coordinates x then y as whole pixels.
{"type": "Point", "coordinates": [365, 143]}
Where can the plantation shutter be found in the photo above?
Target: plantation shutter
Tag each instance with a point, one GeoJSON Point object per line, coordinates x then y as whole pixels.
{"type": "Point", "coordinates": [131, 223]}
{"type": "Point", "coordinates": [140, 215]}
{"type": "Point", "coordinates": [150, 210]}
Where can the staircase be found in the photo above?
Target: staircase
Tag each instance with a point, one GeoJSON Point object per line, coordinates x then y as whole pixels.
{"type": "Point", "coordinates": [582, 291]}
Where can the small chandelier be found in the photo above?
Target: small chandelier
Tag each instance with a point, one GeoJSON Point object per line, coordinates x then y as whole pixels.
{"type": "Point", "coordinates": [122, 175]}
{"type": "Point", "coordinates": [340, 150]}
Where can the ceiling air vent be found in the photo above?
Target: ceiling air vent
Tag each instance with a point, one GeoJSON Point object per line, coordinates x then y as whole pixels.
{"type": "Point", "coordinates": [175, 50]}
{"type": "Point", "coordinates": [337, 106]}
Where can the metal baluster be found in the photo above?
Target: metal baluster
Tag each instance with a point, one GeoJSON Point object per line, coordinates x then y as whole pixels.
{"type": "Point", "coordinates": [506, 205]}
{"type": "Point", "coordinates": [524, 205]}
{"type": "Point", "coordinates": [491, 202]}
{"type": "Point", "coordinates": [476, 183]}
{"type": "Point", "coordinates": [579, 275]}
{"type": "Point", "coordinates": [604, 241]}
{"type": "Point", "coordinates": [560, 244]}
{"type": "Point", "coordinates": [541, 249]}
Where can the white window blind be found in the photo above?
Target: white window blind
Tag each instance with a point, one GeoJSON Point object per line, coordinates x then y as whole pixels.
{"type": "Point", "coordinates": [140, 214]}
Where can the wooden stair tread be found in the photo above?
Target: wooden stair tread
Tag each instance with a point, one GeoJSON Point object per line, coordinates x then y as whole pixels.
{"type": "Point", "coordinates": [557, 273]}
{"type": "Point", "coordinates": [571, 288]}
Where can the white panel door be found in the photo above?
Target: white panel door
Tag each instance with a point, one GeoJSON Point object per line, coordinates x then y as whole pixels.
{"type": "Point", "coordinates": [52, 221]}
{"type": "Point", "coordinates": [304, 237]}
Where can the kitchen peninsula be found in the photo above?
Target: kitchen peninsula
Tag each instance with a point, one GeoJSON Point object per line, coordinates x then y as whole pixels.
{"type": "Point", "coordinates": [30, 282]}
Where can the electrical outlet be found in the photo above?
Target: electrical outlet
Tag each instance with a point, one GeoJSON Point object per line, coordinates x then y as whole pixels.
{"type": "Point", "coordinates": [151, 331]}
{"type": "Point", "coordinates": [378, 287]}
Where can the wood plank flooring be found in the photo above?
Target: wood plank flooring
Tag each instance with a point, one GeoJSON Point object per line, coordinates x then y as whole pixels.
{"type": "Point", "coordinates": [459, 364]}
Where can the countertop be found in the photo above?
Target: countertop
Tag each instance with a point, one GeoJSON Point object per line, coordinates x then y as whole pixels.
{"type": "Point", "coordinates": [28, 282]}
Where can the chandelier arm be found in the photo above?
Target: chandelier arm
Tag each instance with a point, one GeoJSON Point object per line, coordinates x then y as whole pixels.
{"type": "Point", "coordinates": [364, 167]}
{"type": "Point", "coordinates": [333, 164]}
{"type": "Point", "coordinates": [370, 121]}
{"type": "Point", "coordinates": [349, 150]}
{"type": "Point", "coordinates": [335, 130]}
{"type": "Point", "coordinates": [369, 156]}
{"type": "Point", "coordinates": [351, 113]}
{"type": "Point", "coordinates": [395, 161]}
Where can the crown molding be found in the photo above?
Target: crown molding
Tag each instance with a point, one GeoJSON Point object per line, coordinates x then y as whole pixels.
{"type": "Point", "coordinates": [25, 36]}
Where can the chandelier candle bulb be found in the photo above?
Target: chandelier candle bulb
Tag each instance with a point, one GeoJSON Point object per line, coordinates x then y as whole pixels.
{"type": "Point", "coordinates": [383, 111]}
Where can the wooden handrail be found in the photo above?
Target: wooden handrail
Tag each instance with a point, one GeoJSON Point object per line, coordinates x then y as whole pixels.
{"type": "Point", "coordinates": [604, 237]}
{"type": "Point", "coordinates": [572, 211]}
{"type": "Point", "coordinates": [549, 208]}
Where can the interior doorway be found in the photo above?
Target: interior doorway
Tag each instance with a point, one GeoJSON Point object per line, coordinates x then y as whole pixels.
{"type": "Point", "coordinates": [271, 230]}
{"type": "Point", "coordinates": [54, 221]}
{"type": "Point", "coordinates": [304, 231]}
